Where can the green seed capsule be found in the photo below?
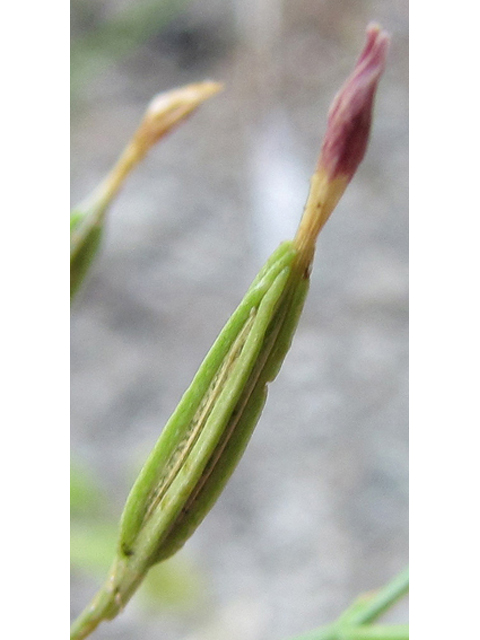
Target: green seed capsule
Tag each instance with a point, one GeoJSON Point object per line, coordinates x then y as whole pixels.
{"type": "Point", "coordinates": [205, 420]}
{"type": "Point", "coordinates": [239, 428]}
{"type": "Point", "coordinates": [204, 439]}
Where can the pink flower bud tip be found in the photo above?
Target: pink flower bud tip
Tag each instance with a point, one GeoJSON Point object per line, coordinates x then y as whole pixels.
{"type": "Point", "coordinates": [345, 142]}
{"type": "Point", "coordinates": [350, 115]}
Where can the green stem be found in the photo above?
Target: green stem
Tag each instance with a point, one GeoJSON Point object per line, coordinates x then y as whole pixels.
{"type": "Point", "coordinates": [108, 600]}
{"type": "Point", "coordinates": [367, 608]}
{"type": "Point", "coordinates": [93, 614]}
{"type": "Point", "coordinates": [99, 609]}
{"type": "Point", "coordinates": [375, 632]}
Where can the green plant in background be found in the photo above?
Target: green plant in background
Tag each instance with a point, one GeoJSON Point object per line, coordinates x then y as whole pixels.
{"type": "Point", "coordinates": [355, 622]}
{"type": "Point", "coordinates": [93, 528]}
{"type": "Point", "coordinates": [87, 220]}
{"type": "Point", "coordinates": [175, 585]}
{"type": "Point", "coordinates": [99, 41]}
{"type": "Point", "coordinates": [204, 439]}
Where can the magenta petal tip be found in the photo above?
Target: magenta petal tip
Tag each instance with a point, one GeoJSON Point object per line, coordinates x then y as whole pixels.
{"type": "Point", "coordinates": [350, 115]}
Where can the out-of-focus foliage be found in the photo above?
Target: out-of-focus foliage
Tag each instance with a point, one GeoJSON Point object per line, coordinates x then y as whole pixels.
{"type": "Point", "coordinates": [92, 545]}
{"type": "Point", "coordinates": [102, 33]}
{"type": "Point", "coordinates": [93, 528]}
{"type": "Point", "coordinates": [175, 584]}
{"type": "Point", "coordinates": [86, 498]}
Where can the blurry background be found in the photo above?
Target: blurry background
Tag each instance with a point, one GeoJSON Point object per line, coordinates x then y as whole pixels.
{"type": "Point", "coordinates": [317, 510]}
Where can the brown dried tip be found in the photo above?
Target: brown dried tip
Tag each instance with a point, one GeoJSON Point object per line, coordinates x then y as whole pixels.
{"type": "Point", "coordinates": [164, 112]}
{"type": "Point", "coordinates": [350, 115]}
{"type": "Point", "coordinates": [167, 109]}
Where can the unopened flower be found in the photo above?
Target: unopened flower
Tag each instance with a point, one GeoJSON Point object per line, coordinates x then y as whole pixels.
{"type": "Point", "coordinates": [350, 115]}
{"type": "Point", "coordinates": [165, 112]}
{"type": "Point", "coordinates": [345, 141]}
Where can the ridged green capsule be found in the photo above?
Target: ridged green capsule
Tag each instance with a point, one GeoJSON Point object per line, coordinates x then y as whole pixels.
{"type": "Point", "coordinates": [205, 437]}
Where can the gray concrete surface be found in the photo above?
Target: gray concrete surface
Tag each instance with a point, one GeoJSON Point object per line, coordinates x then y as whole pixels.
{"type": "Point", "coordinates": [317, 510]}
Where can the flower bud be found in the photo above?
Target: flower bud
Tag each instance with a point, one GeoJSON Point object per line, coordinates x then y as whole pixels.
{"type": "Point", "coordinates": [345, 142]}
{"type": "Point", "coordinates": [165, 112]}
{"type": "Point", "coordinates": [350, 115]}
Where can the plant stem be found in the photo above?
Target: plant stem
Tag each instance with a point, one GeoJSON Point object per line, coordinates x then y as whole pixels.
{"type": "Point", "coordinates": [95, 612]}
{"type": "Point", "coordinates": [365, 609]}
{"type": "Point", "coordinates": [108, 601]}
{"type": "Point", "coordinates": [374, 632]}
{"type": "Point", "coordinates": [369, 607]}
